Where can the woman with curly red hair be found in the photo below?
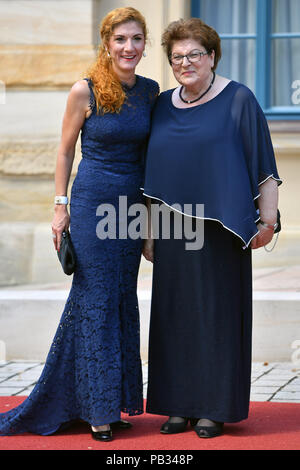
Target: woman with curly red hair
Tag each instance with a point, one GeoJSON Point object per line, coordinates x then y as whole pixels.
{"type": "Point", "coordinates": [93, 370]}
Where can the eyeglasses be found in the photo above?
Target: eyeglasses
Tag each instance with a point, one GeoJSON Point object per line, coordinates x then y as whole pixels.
{"type": "Point", "coordinates": [194, 56]}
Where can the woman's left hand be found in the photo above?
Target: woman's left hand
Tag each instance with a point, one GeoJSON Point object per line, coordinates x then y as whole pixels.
{"type": "Point", "coordinates": [264, 237]}
{"type": "Point", "coordinates": [148, 249]}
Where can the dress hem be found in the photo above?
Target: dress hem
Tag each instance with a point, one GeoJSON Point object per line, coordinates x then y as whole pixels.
{"type": "Point", "coordinates": [200, 414]}
{"type": "Point", "coordinates": [72, 420]}
{"type": "Point", "coordinates": [246, 244]}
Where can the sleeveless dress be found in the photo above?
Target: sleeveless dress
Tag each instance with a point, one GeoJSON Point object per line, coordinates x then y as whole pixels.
{"type": "Point", "coordinates": [93, 369]}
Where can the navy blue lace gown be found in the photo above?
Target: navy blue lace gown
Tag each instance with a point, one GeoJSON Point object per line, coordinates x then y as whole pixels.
{"type": "Point", "coordinates": [93, 369]}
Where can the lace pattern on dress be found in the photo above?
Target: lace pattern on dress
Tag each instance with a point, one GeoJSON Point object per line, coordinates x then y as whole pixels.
{"type": "Point", "coordinates": [93, 369]}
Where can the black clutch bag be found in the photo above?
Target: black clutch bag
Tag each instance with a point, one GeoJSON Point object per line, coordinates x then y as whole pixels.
{"type": "Point", "coordinates": [278, 228]}
{"type": "Point", "coordinates": [66, 253]}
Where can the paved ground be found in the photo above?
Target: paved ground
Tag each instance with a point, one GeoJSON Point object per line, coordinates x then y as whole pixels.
{"type": "Point", "coordinates": [270, 382]}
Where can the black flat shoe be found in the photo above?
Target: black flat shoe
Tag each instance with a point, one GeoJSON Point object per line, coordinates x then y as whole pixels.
{"type": "Point", "coordinates": [122, 424]}
{"type": "Point", "coordinates": [174, 428]}
{"type": "Point", "coordinates": [209, 431]}
{"type": "Point", "coordinates": [104, 436]}
{"type": "Point", "coordinates": [194, 421]}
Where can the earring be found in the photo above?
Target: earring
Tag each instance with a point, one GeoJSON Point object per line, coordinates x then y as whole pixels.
{"type": "Point", "coordinates": [107, 51]}
{"type": "Point", "coordinates": [144, 54]}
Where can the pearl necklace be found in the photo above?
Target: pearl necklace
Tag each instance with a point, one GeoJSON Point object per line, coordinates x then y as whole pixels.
{"type": "Point", "coordinates": [201, 96]}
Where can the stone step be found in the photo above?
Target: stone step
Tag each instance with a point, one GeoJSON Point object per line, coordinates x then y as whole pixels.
{"type": "Point", "coordinates": [29, 318]}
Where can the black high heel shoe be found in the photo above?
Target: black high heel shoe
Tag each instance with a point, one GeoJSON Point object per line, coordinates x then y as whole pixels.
{"type": "Point", "coordinates": [174, 428]}
{"type": "Point", "coordinates": [208, 431]}
{"type": "Point", "coordinates": [104, 436]}
{"type": "Point", "coordinates": [122, 424]}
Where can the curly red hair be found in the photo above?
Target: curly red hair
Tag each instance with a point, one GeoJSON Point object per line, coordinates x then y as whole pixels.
{"type": "Point", "coordinates": [108, 91]}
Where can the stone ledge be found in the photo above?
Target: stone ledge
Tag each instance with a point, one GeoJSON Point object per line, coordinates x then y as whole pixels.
{"type": "Point", "coordinates": [24, 313]}
{"type": "Point", "coordinates": [29, 319]}
{"type": "Point", "coordinates": [286, 143]}
{"type": "Point", "coordinates": [32, 157]}
{"type": "Point", "coordinates": [44, 65]}
{"type": "Point", "coordinates": [276, 325]}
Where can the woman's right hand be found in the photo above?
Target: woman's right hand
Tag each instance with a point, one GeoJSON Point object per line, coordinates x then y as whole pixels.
{"type": "Point", "coordinates": [60, 222]}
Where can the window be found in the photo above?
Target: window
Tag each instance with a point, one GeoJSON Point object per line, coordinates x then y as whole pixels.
{"type": "Point", "coordinates": [260, 48]}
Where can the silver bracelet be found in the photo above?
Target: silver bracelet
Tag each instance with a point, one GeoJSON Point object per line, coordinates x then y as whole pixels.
{"type": "Point", "coordinates": [264, 224]}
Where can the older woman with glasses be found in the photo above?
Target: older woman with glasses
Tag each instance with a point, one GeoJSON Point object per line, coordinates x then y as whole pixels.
{"type": "Point", "coordinates": [209, 145]}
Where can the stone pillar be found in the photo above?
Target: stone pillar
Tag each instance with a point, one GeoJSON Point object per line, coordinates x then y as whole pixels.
{"type": "Point", "coordinates": [45, 46]}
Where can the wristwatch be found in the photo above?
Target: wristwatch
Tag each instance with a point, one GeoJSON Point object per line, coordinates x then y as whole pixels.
{"type": "Point", "coordinates": [264, 224]}
{"type": "Point", "coordinates": [61, 200]}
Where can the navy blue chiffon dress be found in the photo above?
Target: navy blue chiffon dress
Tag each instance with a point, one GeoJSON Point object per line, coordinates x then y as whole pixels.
{"type": "Point", "coordinates": [216, 154]}
{"type": "Point", "coordinates": [93, 369]}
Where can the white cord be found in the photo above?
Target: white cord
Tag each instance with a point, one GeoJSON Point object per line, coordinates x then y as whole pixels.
{"type": "Point", "coordinates": [269, 251]}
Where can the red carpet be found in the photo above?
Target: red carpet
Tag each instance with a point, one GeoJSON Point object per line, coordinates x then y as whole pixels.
{"type": "Point", "coordinates": [270, 426]}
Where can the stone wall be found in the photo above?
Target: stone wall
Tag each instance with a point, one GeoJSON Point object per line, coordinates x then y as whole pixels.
{"type": "Point", "coordinates": [45, 46]}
